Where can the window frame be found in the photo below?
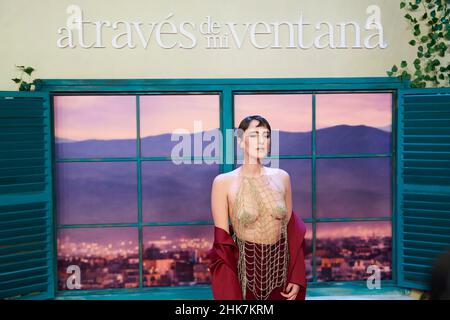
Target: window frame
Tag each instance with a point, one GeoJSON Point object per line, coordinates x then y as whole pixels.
{"type": "Point", "coordinates": [226, 88]}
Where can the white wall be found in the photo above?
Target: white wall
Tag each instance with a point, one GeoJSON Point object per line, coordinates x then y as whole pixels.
{"type": "Point", "coordinates": [28, 35]}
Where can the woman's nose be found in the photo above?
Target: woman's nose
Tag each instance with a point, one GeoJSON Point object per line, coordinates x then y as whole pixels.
{"type": "Point", "coordinates": [261, 139]}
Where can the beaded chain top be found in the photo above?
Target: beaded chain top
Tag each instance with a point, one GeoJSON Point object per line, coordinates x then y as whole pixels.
{"type": "Point", "coordinates": [259, 219]}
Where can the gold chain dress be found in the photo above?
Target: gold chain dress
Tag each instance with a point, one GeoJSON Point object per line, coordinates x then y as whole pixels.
{"type": "Point", "coordinates": [259, 220]}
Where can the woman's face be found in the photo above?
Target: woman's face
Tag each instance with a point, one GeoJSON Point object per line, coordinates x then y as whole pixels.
{"type": "Point", "coordinates": [256, 141]}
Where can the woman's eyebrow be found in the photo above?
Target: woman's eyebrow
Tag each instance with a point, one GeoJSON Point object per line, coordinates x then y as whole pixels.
{"type": "Point", "coordinates": [256, 130]}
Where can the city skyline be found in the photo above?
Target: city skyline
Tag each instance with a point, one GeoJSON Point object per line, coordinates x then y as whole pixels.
{"type": "Point", "coordinates": [344, 258]}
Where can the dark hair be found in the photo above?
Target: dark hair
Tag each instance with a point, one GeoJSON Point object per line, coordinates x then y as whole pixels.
{"type": "Point", "coordinates": [246, 122]}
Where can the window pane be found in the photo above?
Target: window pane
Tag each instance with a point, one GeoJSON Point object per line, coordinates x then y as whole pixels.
{"type": "Point", "coordinates": [96, 192]}
{"type": "Point", "coordinates": [353, 123]}
{"type": "Point", "coordinates": [106, 257]}
{"type": "Point", "coordinates": [177, 255]}
{"type": "Point", "coordinates": [345, 250]}
{"type": "Point", "coordinates": [173, 192]}
{"type": "Point", "coordinates": [308, 252]}
{"type": "Point", "coordinates": [294, 130]}
{"type": "Point", "coordinates": [353, 187]}
{"type": "Point", "coordinates": [161, 115]}
{"type": "Point", "coordinates": [95, 126]}
{"type": "Point", "coordinates": [300, 173]}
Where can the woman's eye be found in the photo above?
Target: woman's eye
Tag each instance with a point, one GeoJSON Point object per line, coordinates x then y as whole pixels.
{"type": "Point", "coordinates": [255, 135]}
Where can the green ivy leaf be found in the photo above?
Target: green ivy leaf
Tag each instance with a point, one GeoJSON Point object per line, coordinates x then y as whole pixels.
{"type": "Point", "coordinates": [24, 86]}
{"type": "Point", "coordinates": [402, 5]}
{"type": "Point", "coordinates": [28, 70]}
{"type": "Point", "coordinates": [403, 64]}
{"type": "Point", "coordinates": [412, 42]}
{"type": "Point", "coordinates": [16, 80]}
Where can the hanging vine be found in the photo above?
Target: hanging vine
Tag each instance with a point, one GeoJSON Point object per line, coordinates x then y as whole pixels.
{"type": "Point", "coordinates": [429, 20]}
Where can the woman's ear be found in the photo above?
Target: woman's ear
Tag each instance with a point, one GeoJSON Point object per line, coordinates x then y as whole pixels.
{"type": "Point", "coordinates": [240, 143]}
{"type": "Point", "coordinates": [239, 134]}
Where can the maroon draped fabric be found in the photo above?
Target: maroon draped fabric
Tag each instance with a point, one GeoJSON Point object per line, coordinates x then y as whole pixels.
{"type": "Point", "coordinates": [224, 256]}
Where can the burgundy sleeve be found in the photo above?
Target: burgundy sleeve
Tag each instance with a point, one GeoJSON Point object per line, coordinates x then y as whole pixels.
{"type": "Point", "coordinates": [301, 277]}
{"type": "Point", "coordinates": [296, 271]}
{"type": "Point", "coordinates": [223, 267]}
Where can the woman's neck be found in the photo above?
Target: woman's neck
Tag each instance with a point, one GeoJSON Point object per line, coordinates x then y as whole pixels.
{"type": "Point", "coordinates": [252, 170]}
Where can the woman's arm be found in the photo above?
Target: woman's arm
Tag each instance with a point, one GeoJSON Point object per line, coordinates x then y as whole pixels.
{"type": "Point", "coordinates": [224, 253]}
{"type": "Point", "coordinates": [292, 289]}
{"type": "Point", "coordinates": [286, 179]}
{"type": "Point", "coordinates": [219, 202]}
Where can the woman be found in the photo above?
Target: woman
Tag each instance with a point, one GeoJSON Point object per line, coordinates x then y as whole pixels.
{"type": "Point", "coordinates": [261, 254]}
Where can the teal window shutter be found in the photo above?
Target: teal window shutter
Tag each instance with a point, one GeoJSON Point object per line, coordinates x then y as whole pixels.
{"type": "Point", "coordinates": [27, 251]}
{"type": "Point", "coordinates": [423, 180]}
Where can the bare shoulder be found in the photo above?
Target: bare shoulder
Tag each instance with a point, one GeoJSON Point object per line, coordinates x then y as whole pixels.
{"type": "Point", "coordinates": [224, 179]}
{"type": "Point", "coordinates": [280, 173]}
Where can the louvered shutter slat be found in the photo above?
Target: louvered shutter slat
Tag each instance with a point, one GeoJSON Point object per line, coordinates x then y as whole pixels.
{"type": "Point", "coordinates": [26, 217]}
{"type": "Point", "coordinates": [423, 183]}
